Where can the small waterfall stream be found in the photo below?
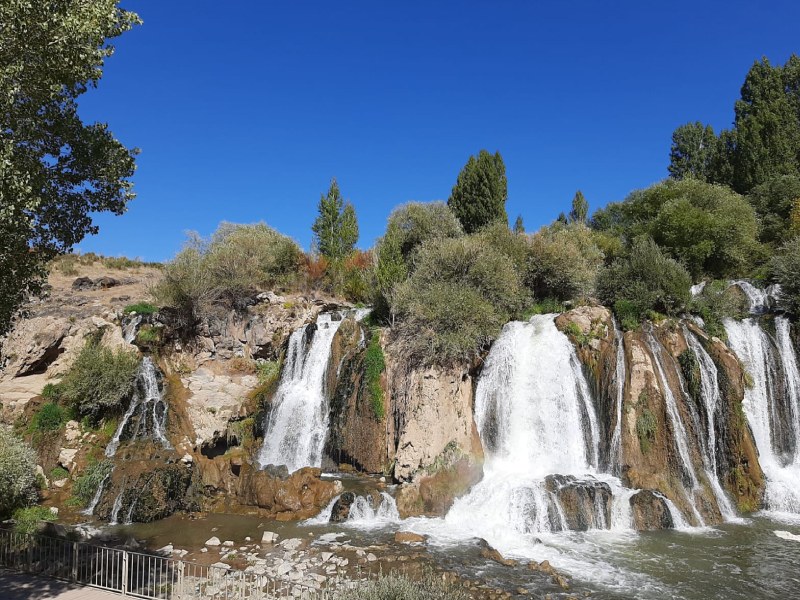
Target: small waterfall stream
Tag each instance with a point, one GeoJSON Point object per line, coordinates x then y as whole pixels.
{"type": "Point", "coordinates": [298, 423]}
{"type": "Point", "coordinates": [620, 377]}
{"type": "Point", "coordinates": [771, 402]}
{"type": "Point", "coordinates": [710, 391]}
{"type": "Point", "coordinates": [144, 419]}
{"type": "Point", "coordinates": [678, 429]}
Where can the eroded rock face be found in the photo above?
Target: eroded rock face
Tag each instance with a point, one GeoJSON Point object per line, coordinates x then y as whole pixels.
{"type": "Point", "coordinates": [650, 511]}
{"type": "Point", "coordinates": [300, 496]}
{"type": "Point", "coordinates": [341, 508]}
{"type": "Point", "coordinates": [435, 411]}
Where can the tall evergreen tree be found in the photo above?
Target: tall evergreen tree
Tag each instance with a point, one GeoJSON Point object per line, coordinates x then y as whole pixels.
{"type": "Point", "coordinates": [767, 124]}
{"type": "Point", "coordinates": [336, 227]}
{"type": "Point", "coordinates": [480, 193]}
{"type": "Point", "coordinates": [694, 153]}
{"type": "Point", "coordinates": [519, 226]}
{"type": "Point", "coordinates": [580, 209]}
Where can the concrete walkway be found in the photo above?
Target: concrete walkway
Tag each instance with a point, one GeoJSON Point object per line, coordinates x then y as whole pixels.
{"type": "Point", "coordinates": [20, 586]}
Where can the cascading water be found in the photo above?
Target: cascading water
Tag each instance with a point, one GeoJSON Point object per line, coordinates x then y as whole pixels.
{"type": "Point", "coordinates": [539, 430]}
{"type": "Point", "coordinates": [710, 391]}
{"type": "Point", "coordinates": [771, 402]}
{"type": "Point", "coordinates": [298, 423]}
{"type": "Point", "coordinates": [144, 419]}
{"type": "Point", "coordinates": [147, 413]}
{"type": "Point", "coordinates": [615, 453]}
{"type": "Point", "coordinates": [678, 429]}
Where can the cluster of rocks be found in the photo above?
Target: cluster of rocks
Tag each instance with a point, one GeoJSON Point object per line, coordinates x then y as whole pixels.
{"type": "Point", "coordinates": [101, 283]}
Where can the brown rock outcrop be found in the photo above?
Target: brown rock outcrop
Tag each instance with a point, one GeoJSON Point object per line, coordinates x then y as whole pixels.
{"type": "Point", "coordinates": [299, 496]}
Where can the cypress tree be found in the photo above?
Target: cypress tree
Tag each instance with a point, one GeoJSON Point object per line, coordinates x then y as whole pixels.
{"type": "Point", "coordinates": [480, 193]}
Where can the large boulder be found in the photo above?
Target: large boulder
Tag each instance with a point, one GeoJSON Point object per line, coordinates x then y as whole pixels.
{"type": "Point", "coordinates": [585, 503]}
{"type": "Point", "coordinates": [301, 495]}
{"type": "Point", "coordinates": [650, 511]}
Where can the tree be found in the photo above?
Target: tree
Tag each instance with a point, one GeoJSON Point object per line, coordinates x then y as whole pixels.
{"type": "Point", "coordinates": [767, 124]}
{"type": "Point", "coordinates": [694, 152]}
{"type": "Point", "coordinates": [580, 209]}
{"type": "Point", "coordinates": [519, 226]}
{"type": "Point", "coordinates": [55, 170]}
{"type": "Point", "coordinates": [17, 473]}
{"type": "Point", "coordinates": [646, 279]}
{"type": "Point", "coordinates": [564, 262]}
{"type": "Point", "coordinates": [480, 193]}
{"type": "Point", "coordinates": [786, 271]}
{"type": "Point", "coordinates": [336, 227]}
{"type": "Point", "coordinates": [774, 200]}
{"type": "Point", "coordinates": [409, 226]}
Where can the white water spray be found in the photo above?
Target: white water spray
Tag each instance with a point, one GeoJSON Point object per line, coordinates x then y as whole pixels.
{"type": "Point", "coordinates": [298, 424]}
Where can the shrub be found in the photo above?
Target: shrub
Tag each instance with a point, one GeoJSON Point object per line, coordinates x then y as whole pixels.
{"type": "Point", "coordinates": [564, 262]}
{"type": "Point", "coordinates": [356, 277]}
{"type": "Point", "coordinates": [374, 366]}
{"type": "Point", "coordinates": [395, 586]}
{"type": "Point", "coordinates": [148, 335]}
{"type": "Point", "coordinates": [717, 301]}
{"type": "Point", "coordinates": [237, 261]}
{"type": "Point", "coordinates": [774, 201]}
{"type": "Point", "coordinates": [52, 392]}
{"type": "Point", "coordinates": [409, 226]}
{"type": "Point", "coordinates": [543, 307]}
{"type": "Point", "coordinates": [267, 371]}
{"type": "Point", "coordinates": [645, 280]}
{"type": "Point", "coordinates": [26, 520]}
{"type": "Point", "coordinates": [59, 473]}
{"type": "Point", "coordinates": [457, 299]}
{"type": "Point", "coordinates": [49, 417]}
{"type": "Point", "coordinates": [646, 427]}
{"type": "Point", "coordinates": [87, 483]}
{"type": "Point", "coordinates": [100, 380]}
{"type": "Point", "coordinates": [17, 473]}
{"type": "Point", "coordinates": [786, 271]}
{"type": "Point", "coordinates": [141, 308]}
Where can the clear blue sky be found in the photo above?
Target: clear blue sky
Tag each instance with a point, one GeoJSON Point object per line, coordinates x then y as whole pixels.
{"type": "Point", "coordinates": [244, 110]}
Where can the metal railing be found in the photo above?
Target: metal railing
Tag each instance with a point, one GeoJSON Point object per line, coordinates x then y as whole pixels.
{"type": "Point", "coordinates": [140, 575]}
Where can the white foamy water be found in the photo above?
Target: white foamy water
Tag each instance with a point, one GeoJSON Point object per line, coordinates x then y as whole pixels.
{"type": "Point", "coordinates": [763, 403]}
{"type": "Point", "coordinates": [298, 423]}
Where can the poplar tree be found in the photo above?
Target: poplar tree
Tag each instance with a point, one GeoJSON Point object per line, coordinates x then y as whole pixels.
{"type": "Point", "coordinates": [580, 209]}
{"type": "Point", "coordinates": [55, 170]}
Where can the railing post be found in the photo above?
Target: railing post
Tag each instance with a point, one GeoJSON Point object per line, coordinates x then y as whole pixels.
{"type": "Point", "coordinates": [30, 553]}
{"type": "Point", "coordinates": [124, 573]}
{"type": "Point", "coordinates": [75, 561]}
{"type": "Point", "coordinates": [180, 580]}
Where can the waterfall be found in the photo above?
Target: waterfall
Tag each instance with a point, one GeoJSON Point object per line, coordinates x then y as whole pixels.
{"type": "Point", "coordinates": [678, 429]}
{"type": "Point", "coordinates": [620, 376]}
{"type": "Point", "coordinates": [130, 326]}
{"type": "Point", "coordinates": [539, 430]}
{"type": "Point", "coordinates": [298, 423]}
{"type": "Point", "coordinates": [146, 415]}
{"type": "Point", "coordinates": [97, 495]}
{"type": "Point", "coordinates": [759, 299]}
{"type": "Point", "coordinates": [770, 400]}
{"type": "Point", "coordinates": [709, 387]}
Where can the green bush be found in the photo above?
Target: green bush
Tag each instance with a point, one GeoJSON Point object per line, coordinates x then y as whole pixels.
{"type": "Point", "coordinates": [545, 306]}
{"type": "Point", "coordinates": [646, 428]}
{"type": "Point", "coordinates": [59, 473]}
{"type": "Point", "coordinates": [395, 586]}
{"type": "Point", "coordinates": [100, 380]}
{"type": "Point", "coordinates": [717, 301]}
{"type": "Point", "coordinates": [148, 335]}
{"type": "Point", "coordinates": [141, 308]}
{"type": "Point", "coordinates": [374, 366]}
{"type": "Point", "coordinates": [564, 262]}
{"type": "Point", "coordinates": [86, 484]}
{"type": "Point", "coordinates": [18, 480]}
{"type": "Point", "coordinates": [709, 228]}
{"type": "Point", "coordinates": [51, 392]}
{"type": "Point", "coordinates": [644, 280]}
{"type": "Point", "coordinates": [459, 296]}
{"type": "Point", "coordinates": [49, 417]}
{"type": "Point", "coordinates": [267, 371]}
{"type": "Point", "coordinates": [237, 261]}
{"type": "Point", "coordinates": [26, 520]}
{"type": "Point", "coordinates": [786, 271]}
{"type": "Point", "coordinates": [409, 226]}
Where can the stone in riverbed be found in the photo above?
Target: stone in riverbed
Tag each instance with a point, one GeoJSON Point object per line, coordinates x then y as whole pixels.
{"type": "Point", "coordinates": [407, 537]}
{"type": "Point", "coordinates": [269, 537]}
{"type": "Point", "coordinates": [214, 541]}
{"type": "Point", "coordinates": [650, 511]}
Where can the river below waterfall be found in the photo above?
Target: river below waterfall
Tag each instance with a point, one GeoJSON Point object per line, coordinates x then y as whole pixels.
{"type": "Point", "coordinates": [734, 561]}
